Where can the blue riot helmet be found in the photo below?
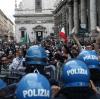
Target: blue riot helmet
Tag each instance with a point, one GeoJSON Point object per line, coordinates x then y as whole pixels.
{"type": "Point", "coordinates": [2, 84]}
{"type": "Point", "coordinates": [75, 74]}
{"type": "Point", "coordinates": [36, 55]}
{"type": "Point", "coordinates": [33, 86]}
{"type": "Point", "coordinates": [36, 58]}
{"type": "Point", "coordinates": [90, 58]}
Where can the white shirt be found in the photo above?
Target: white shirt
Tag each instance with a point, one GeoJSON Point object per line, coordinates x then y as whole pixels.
{"type": "Point", "coordinates": [17, 63]}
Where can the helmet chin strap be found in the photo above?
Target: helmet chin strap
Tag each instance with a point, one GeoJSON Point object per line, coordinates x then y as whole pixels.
{"type": "Point", "coordinates": [36, 71]}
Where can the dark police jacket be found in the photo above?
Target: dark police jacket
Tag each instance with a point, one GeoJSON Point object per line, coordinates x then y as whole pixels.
{"type": "Point", "coordinates": [81, 93]}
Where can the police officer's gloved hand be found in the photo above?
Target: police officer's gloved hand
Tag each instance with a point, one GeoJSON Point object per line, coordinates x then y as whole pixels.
{"type": "Point", "coordinates": [55, 89]}
{"type": "Point", "coordinates": [92, 85]}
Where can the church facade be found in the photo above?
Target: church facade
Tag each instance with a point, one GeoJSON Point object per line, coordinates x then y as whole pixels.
{"type": "Point", "coordinates": [35, 18]}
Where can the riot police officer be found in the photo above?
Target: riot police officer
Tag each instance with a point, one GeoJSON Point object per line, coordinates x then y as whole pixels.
{"type": "Point", "coordinates": [36, 59]}
{"type": "Point", "coordinates": [92, 61]}
{"type": "Point", "coordinates": [76, 82]}
{"type": "Point", "coordinates": [2, 85]}
{"type": "Point", "coordinates": [33, 86]}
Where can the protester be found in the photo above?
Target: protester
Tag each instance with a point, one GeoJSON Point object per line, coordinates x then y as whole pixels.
{"type": "Point", "coordinates": [51, 60]}
{"type": "Point", "coordinates": [17, 62]}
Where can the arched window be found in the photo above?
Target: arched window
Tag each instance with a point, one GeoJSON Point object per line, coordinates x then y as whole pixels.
{"type": "Point", "coordinates": [22, 34]}
{"type": "Point", "coordinates": [22, 31]}
{"type": "Point", "coordinates": [38, 5]}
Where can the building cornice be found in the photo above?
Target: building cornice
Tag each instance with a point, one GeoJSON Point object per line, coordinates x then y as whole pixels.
{"type": "Point", "coordinates": [33, 15]}
{"type": "Point", "coordinates": [31, 9]}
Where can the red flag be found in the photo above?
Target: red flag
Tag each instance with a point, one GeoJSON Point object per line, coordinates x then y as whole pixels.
{"type": "Point", "coordinates": [62, 35]}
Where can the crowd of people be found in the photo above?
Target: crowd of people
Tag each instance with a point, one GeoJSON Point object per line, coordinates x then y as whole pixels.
{"type": "Point", "coordinates": [52, 69]}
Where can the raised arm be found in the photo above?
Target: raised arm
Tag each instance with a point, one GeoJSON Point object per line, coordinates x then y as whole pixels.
{"type": "Point", "coordinates": [76, 39]}
{"type": "Point", "coordinates": [97, 44]}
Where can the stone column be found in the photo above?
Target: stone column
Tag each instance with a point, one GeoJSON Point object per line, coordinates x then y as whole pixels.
{"type": "Point", "coordinates": [67, 20]}
{"type": "Point", "coordinates": [98, 11]}
{"type": "Point", "coordinates": [64, 19]}
{"type": "Point", "coordinates": [93, 15]}
{"type": "Point", "coordinates": [83, 12]}
{"type": "Point", "coordinates": [70, 8]}
{"type": "Point", "coordinates": [76, 15]}
{"type": "Point", "coordinates": [55, 24]}
{"type": "Point", "coordinates": [63, 16]}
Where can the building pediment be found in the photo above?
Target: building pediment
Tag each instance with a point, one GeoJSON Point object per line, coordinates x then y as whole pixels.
{"type": "Point", "coordinates": [39, 28]}
{"type": "Point", "coordinates": [22, 28]}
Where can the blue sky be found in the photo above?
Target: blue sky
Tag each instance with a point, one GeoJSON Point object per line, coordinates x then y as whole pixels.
{"type": "Point", "coordinates": [8, 6]}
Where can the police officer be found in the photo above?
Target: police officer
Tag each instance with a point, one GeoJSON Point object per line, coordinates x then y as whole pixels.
{"type": "Point", "coordinates": [2, 85]}
{"type": "Point", "coordinates": [36, 59]}
{"type": "Point", "coordinates": [33, 86]}
{"type": "Point", "coordinates": [92, 61]}
{"type": "Point", "coordinates": [76, 82]}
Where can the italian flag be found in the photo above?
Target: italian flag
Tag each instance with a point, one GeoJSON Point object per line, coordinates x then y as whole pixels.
{"type": "Point", "coordinates": [62, 35]}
